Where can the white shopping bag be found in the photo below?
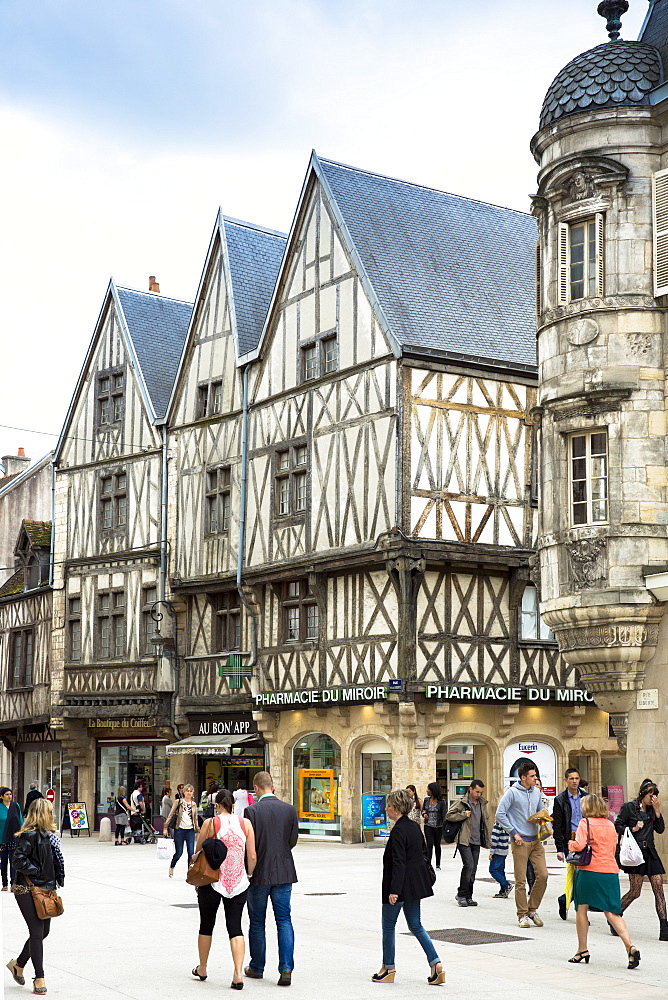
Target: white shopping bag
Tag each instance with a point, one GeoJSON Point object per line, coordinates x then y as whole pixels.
{"type": "Point", "coordinates": [165, 850]}
{"type": "Point", "coordinates": [629, 853]}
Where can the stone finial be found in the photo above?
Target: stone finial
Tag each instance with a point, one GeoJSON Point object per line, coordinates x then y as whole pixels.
{"type": "Point", "coordinates": [612, 10]}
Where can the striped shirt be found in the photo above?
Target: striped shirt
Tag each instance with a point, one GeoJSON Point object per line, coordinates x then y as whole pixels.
{"type": "Point", "coordinates": [500, 842]}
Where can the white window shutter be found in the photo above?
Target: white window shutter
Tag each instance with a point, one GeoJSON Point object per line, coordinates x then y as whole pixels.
{"type": "Point", "coordinates": [660, 219]}
{"type": "Point", "coordinates": [539, 281]}
{"type": "Point", "coordinates": [600, 255]}
{"type": "Point", "coordinates": [562, 290]}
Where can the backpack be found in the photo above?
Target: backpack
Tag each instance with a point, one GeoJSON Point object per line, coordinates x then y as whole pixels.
{"type": "Point", "coordinates": [451, 831]}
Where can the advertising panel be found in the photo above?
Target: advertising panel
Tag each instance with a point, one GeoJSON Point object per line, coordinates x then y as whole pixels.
{"type": "Point", "coordinates": [540, 754]}
{"type": "Point", "coordinates": [374, 816]}
{"type": "Point", "coordinates": [317, 797]}
{"type": "Point", "coordinates": [78, 815]}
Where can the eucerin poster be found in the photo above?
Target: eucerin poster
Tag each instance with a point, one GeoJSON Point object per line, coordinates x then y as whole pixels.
{"type": "Point", "coordinates": [540, 754]}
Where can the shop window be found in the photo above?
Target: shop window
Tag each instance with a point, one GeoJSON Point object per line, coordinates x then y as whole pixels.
{"type": "Point", "coordinates": [316, 780]}
{"type": "Point", "coordinates": [114, 501]}
{"type": "Point", "coordinates": [290, 480]}
{"type": "Point", "coordinates": [301, 616]}
{"type": "Point", "coordinates": [74, 620]}
{"type": "Point", "coordinates": [532, 626]}
{"type": "Point", "coordinates": [21, 644]}
{"type": "Point", "coordinates": [218, 499]}
{"type": "Point", "coordinates": [589, 478]}
{"type": "Point", "coordinates": [110, 391]}
{"type": "Point", "coordinates": [124, 764]}
{"type": "Point", "coordinates": [227, 621]}
{"type": "Point", "coordinates": [111, 625]}
{"type": "Point", "coordinates": [149, 596]}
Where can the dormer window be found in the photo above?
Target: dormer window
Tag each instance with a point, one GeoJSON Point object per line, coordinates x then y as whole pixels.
{"type": "Point", "coordinates": [581, 259]}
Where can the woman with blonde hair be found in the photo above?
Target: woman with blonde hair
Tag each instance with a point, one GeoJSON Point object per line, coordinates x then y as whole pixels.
{"type": "Point", "coordinates": [186, 824]}
{"type": "Point", "coordinates": [597, 884]}
{"type": "Point", "coordinates": [37, 859]}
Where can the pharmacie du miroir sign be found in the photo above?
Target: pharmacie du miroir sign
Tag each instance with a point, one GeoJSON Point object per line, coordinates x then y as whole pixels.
{"type": "Point", "coordinates": [446, 692]}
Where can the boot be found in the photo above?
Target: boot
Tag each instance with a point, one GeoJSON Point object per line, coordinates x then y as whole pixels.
{"type": "Point", "coordinates": [663, 930]}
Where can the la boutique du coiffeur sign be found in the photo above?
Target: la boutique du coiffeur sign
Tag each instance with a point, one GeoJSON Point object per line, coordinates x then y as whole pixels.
{"type": "Point", "coordinates": [438, 692]}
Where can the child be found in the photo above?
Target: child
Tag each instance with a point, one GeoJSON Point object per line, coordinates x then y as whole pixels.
{"type": "Point", "coordinates": [497, 860]}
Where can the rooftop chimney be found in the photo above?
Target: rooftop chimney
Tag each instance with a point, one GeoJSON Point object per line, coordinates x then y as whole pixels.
{"type": "Point", "coordinates": [15, 463]}
{"type": "Point", "coordinates": [153, 285]}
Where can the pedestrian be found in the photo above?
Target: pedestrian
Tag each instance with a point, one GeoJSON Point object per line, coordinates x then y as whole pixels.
{"type": "Point", "coordinates": [276, 833]}
{"type": "Point", "coordinates": [34, 793]}
{"type": "Point", "coordinates": [232, 886]}
{"type": "Point", "coordinates": [11, 820]}
{"type": "Point", "coordinates": [165, 808]}
{"type": "Point", "coordinates": [405, 882]}
{"type": "Point", "coordinates": [642, 816]}
{"type": "Point", "coordinates": [241, 799]}
{"type": "Point", "coordinates": [138, 808]}
{"type": "Point", "coordinates": [471, 812]}
{"type": "Point", "coordinates": [186, 825]}
{"type": "Point", "coordinates": [433, 813]}
{"type": "Point", "coordinates": [521, 801]}
{"type": "Point", "coordinates": [123, 809]}
{"type": "Point", "coordinates": [207, 801]}
{"type": "Point", "coordinates": [416, 810]}
{"type": "Point", "coordinates": [597, 884]}
{"type": "Point", "coordinates": [566, 816]}
{"type": "Point", "coordinates": [38, 859]}
{"type": "Point", "coordinates": [179, 792]}
{"type": "Point", "coordinates": [498, 852]}
{"type": "Point", "coordinates": [545, 802]}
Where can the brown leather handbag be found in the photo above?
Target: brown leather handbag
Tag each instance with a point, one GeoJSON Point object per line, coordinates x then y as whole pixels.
{"type": "Point", "coordinates": [47, 902]}
{"type": "Point", "coordinates": [200, 871]}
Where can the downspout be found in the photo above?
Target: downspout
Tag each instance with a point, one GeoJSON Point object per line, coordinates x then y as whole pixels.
{"type": "Point", "coordinates": [242, 520]}
{"type": "Point", "coordinates": [163, 576]}
{"type": "Point", "coordinates": [53, 520]}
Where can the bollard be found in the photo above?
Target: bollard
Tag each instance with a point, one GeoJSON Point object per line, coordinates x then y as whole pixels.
{"type": "Point", "coordinates": [105, 830]}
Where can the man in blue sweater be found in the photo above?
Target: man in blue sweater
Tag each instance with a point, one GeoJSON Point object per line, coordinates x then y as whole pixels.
{"type": "Point", "coordinates": [521, 801]}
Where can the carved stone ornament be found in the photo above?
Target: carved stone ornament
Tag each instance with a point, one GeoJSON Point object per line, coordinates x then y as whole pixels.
{"type": "Point", "coordinates": [580, 186]}
{"type": "Point", "coordinates": [585, 636]}
{"type": "Point", "coordinates": [583, 331]}
{"type": "Point", "coordinates": [586, 562]}
{"type": "Point", "coordinates": [640, 344]}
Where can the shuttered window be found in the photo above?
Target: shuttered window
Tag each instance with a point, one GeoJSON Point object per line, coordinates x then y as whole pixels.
{"type": "Point", "coordinates": [581, 257]}
{"type": "Point", "coordinates": [660, 219]}
{"type": "Point", "coordinates": [539, 282]}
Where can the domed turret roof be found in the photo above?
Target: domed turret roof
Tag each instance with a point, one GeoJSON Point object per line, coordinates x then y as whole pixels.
{"type": "Point", "coordinates": [615, 74]}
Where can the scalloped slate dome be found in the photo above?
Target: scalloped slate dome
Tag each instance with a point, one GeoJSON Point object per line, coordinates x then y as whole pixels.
{"type": "Point", "coordinates": [612, 74]}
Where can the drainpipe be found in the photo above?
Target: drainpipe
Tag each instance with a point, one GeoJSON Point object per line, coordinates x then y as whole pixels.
{"type": "Point", "coordinates": [163, 577]}
{"type": "Point", "coordinates": [53, 520]}
{"type": "Point", "coordinates": [242, 520]}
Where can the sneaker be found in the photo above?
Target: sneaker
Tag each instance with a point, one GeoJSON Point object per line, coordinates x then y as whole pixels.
{"type": "Point", "coordinates": [524, 922]}
{"type": "Point", "coordinates": [499, 895]}
{"type": "Point", "coordinates": [471, 902]}
{"type": "Point", "coordinates": [438, 868]}
{"type": "Point", "coordinates": [460, 901]}
{"type": "Point", "coordinates": [533, 915]}
{"type": "Point", "coordinates": [509, 888]}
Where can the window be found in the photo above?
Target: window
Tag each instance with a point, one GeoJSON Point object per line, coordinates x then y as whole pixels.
{"type": "Point", "coordinates": [150, 596]}
{"type": "Point", "coordinates": [320, 358]}
{"type": "Point", "coordinates": [110, 389]}
{"type": "Point", "coordinates": [74, 617]}
{"type": "Point", "coordinates": [581, 259]}
{"type": "Point", "coordinates": [589, 478]}
{"type": "Point", "coordinates": [531, 624]}
{"type": "Point", "coordinates": [114, 501]}
{"type": "Point", "coordinates": [291, 480]}
{"type": "Point", "coordinates": [111, 625]}
{"type": "Point", "coordinates": [300, 611]}
{"type": "Point", "coordinates": [227, 621]}
{"type": "Point", "coordinates": [21, 657]}
{"type": "Point", "coordinates": [209, 399]}
{"type": "Point", "coordinates": [218, 499]}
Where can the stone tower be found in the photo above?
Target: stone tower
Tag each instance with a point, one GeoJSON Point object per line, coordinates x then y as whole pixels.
{"type": "Point", "coordinates": [601, 302]}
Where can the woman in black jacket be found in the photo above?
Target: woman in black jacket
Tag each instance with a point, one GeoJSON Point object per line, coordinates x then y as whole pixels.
{"type": "Point", "coordinates": [406, 880]}
{"type": "Point", "coordinates": [642, 816]}
{"type": "Point", "coordinates": [37, 859]}
{"type": "Point", "coordinates": [434, 810]}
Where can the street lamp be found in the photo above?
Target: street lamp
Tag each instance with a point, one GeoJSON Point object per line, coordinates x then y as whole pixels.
{"type": "Point", "coordinates": [164, 645]}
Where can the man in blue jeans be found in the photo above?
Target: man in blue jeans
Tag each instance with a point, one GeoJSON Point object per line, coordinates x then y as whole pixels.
{"type": "Point", "coordinates": [276, 833]}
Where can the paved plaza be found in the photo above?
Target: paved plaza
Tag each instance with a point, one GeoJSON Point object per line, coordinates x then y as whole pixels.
{"type": "Point", "coordinates": [130, 931]}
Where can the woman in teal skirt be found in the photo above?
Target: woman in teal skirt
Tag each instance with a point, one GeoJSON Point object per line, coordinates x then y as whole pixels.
{"type": "Point", "coordinates": [597, 884]}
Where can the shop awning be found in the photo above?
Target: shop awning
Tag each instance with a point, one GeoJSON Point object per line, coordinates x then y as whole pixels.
{"type": "Point", "coordinates": [211, 744]}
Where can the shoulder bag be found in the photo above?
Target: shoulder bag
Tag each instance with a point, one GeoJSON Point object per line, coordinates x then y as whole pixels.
{"type": "Point", "coordinates": [200, 871]}
{"type": "Point", "coordinates": [580, 859]}
{"type": "Point", "coordinates": [47, 902]}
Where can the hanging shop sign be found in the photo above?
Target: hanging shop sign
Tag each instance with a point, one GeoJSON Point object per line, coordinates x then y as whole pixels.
{"type": "Point", "coordinates": [316, 793]}
{"type": "Point", "coordinates": [470, 692]}
{"type": "Point", "coordinates": [319, 696]}
{"type": "Point", "coordinates": [222, 725]}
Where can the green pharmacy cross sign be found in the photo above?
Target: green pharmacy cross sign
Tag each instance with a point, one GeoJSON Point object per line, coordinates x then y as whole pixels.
{"type": "Point", "coordinates": [235, 671]}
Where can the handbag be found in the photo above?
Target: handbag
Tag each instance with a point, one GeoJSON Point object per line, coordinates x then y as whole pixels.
{"type": "Point", "coordinates": [200, 871]}
{"type": "Point", "coordinates": [47, 902]}
{"type": "Point", "coordinates": [630, 853]}
{"type": "Point", "coordinates": [580, 859]}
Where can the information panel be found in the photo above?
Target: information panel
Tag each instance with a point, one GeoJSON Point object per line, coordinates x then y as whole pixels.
{"type": "Point", "coordinates": [316, 793]}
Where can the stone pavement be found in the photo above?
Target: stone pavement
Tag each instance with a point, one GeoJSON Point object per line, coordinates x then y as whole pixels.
{"type": "Point", "coordinates": [130, 931]}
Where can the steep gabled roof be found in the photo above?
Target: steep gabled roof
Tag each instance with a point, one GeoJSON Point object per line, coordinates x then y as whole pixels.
{"type": "Point", "coordinates": [157, 326]}
{"type": "Point", "coordinates": [451, 275]}
{"type": "Point", "coordinates": [254, 258]}
{"type": "Point", "coordinates": [15, 584]}
{"type": "Point", "coordinates": [38, 532]}
{"type": "Point", "coordinates": [655, 29]}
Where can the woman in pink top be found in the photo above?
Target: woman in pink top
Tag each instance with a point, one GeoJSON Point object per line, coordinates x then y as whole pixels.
{"type": "Point", "coordinates": [597, 884]}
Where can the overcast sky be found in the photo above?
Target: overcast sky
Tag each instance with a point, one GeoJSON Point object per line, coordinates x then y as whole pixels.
{"type": "Point", "coordinates": [125, 125]}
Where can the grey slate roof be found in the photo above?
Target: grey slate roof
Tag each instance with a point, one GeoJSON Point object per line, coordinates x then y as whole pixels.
{"type": "Point", "coordinates": [655, 29]}
{"type": "Point", "coordinates": [254, 256]}
{"type": "Point", "coordinates": [613, 74]}
{"type": "Point", "coordinates": [451, 274]}
{"type": "Point", "coordinates": [158, 327]}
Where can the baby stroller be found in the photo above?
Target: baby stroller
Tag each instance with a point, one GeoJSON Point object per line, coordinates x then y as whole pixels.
{"type": "Point", "coordinates": [141, 830]}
